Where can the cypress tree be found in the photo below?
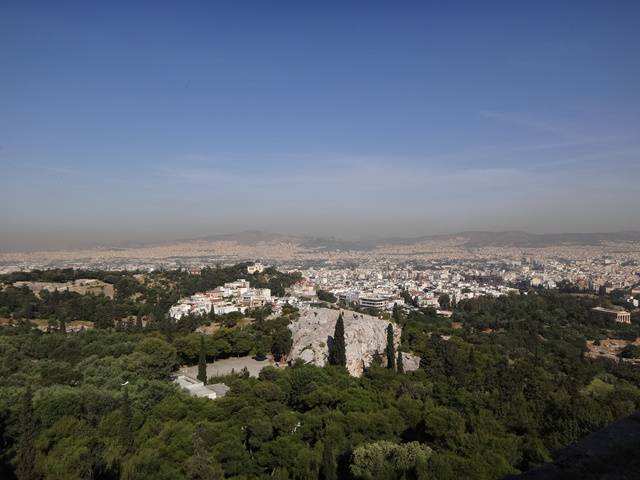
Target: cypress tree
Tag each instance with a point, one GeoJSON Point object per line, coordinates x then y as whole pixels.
{"type": "Point", "coordinates": [390, 350]}
{"type": "Point", "coordinates": [396, 312]}
{"type": "Point", "coordinates": [126, 424]}
{"type": "Point", "coordinates": [25, 460]}
{"type": "Point", "coordinates": [338, 355]}
{"type": "Point", "coordinates": [63, 326]}
{"type": "Point", "coordinates": [399, 362]}
{"type": "Point", "coordinates": [202, 363]}
{"type": "Point", "coordinates": [329, 467]}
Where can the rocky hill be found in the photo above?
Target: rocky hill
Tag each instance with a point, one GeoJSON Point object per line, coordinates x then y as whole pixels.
{"type": "Point", "coordinates": [365, 336]}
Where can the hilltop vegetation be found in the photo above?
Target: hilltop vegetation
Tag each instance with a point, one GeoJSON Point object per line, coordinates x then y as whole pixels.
{"type": "Point", "coordinates": [139, 297]}
{"type": "Point", "coordinates": [498, 394]}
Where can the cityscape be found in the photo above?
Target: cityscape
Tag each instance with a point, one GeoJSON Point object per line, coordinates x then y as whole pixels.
{"type": "Point", "coordinates": [335, 240]}
{"type": "Point", "coordinates": [425, 269]}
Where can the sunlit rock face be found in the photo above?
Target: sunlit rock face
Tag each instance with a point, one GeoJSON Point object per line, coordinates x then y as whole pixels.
{"type": "Point", "coordinates": [410, 362]}
{"type": "Point", "coordinates": [364, 337]}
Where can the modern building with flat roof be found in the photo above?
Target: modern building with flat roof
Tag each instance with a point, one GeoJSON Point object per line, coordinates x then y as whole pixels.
{"type": "Point", "coordinates": [199, 389]}
{"type": "Point", "coordinates": [373, 302]}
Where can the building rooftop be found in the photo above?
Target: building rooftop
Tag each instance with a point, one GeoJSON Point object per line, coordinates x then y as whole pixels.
{"type": "Point", "coordinates": [199, 389]}
{"type": "Point", "coordinates": [609, 310]}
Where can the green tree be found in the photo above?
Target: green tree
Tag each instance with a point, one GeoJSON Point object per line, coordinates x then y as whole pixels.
{"type": "Point", "coordinates": [125, 432]}
{"type": "Point", "coordinates": [258, 431]}
{"type": "Point", "coordinates": [282, 342]}
{"type": "Point", "coordinates": [391, 349]}
{"type": "Point", "coordinates": [201, 465]}
{"type": "Point", "coordinates": [325, 296]}
{"type": "Point", "coordinates": [376, 360]}
{"type": "Point", "coordinates": [385, 460]}
{"type": "Point", "coordinates": [397, 314]}
{"type": "Point", "coordinates": [400, 363]}
{"type": "Point", "coordinates": [630, 351]}
{"type": "Point", "coordinates": [154, 357]}
{"type": "Point", "coordinates": [329, 467]}
{"type": "Point", "coordinates": [25, 459]}
{"type": "Point", "coordinates": [202, 362]}
{"type": "Point", "coordinates": [444, 426]}
{"type": "Point", "coordinates": [444, 301]}
{"type": "Point", "coordinates": [338, 354]}
{"type": "Point", "coordinates": [65, 450]}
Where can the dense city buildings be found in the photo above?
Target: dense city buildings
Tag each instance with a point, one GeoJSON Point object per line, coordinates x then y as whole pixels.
{"type": "Point", "coordinates": [418, 272]}
{"type": "Point", "coordinates": [235, 296]}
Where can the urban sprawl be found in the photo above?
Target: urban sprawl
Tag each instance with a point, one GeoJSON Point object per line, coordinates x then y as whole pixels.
{"type": "Point", "coordinates": [429, 274]}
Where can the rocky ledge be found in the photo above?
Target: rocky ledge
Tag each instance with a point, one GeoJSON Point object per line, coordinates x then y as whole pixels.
{"type": "Point", "coordinates": [365, 336]}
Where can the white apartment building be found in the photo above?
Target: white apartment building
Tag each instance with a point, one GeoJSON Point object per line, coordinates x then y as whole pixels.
{"type": "Point", "coordinates": [232, 297]}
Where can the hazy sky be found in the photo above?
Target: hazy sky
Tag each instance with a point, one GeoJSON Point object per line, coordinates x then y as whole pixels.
{"type": "Point", "coordinates": [182, 119]}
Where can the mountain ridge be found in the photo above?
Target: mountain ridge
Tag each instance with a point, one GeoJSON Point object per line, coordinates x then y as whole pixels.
{"type": "Point", "coordinates": [471, 239]}
{"type": "Point", "coordinates": [468, 238]}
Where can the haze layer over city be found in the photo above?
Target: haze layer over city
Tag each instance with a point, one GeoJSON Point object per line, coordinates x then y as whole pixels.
{"type": "Point", "coordinates": [351, 120]}
{"type": "Point", "coordinates": [337, 240]}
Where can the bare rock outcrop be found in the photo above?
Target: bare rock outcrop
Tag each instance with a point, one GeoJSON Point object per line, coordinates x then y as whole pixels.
{"type": "Point", "coordinates": [365, 336]}
{"type": "Point", "coordinates": [410, 361]}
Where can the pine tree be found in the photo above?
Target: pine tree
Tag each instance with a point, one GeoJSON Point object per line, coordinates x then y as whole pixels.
{"type": "Point", "coordinates": [399, 362]}
{"type": "Point", "coordinates": [25, 459]}
{"type": "Point", "coordinates": [329, 467]}
{"type": "Point", "coordinates": [390, 350]}
{"type": "Point", "coordinates": [202, 363]}
{"type": "Point", "coordinates": [63, 326]}
{"type": "Point", "coordinates": [126, 424]}
{"type": "Point", "coordinates": [201, 465]}
{"type": "Point", "coordinates": [338, 355]}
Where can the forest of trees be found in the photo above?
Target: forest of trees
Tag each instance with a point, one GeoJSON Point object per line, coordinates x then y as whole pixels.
{"type": "Point", "coordinates": [500, 393]}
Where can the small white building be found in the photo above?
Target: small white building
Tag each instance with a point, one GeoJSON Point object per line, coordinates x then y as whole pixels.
{"type": "Point", "coordinates": [224, 308]}
{"type": "Point", "coordinates": [255, 268]}
{"type": "Point", "coordinates": [199, 389]}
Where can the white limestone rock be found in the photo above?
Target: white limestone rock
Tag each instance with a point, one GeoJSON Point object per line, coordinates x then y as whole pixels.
{"type": "Point", "coordinates": [410, 362]}
{"type": "Point", "coordinates": [364, 337]}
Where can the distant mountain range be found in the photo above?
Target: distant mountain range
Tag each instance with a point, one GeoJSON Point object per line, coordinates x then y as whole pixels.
{"type": "Point", "coordinates": [471, 239]}
{"type": "Point", "coordinates": [517, 238]}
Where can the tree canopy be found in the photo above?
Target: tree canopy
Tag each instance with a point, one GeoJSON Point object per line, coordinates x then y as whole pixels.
{"type": "Point", "coordinates": [500, 393]}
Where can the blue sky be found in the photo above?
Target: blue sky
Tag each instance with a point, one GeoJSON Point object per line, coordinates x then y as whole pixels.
{"type": "Point", "coordinates": [157, 120]}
